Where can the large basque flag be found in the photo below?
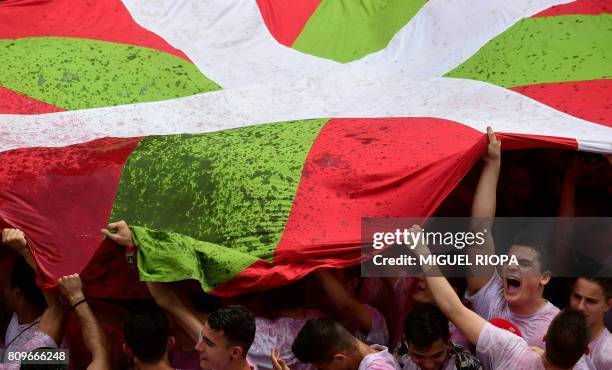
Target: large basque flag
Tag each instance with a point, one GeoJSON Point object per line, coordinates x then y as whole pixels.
{"type": "Point", "coordinates": [244, 140]}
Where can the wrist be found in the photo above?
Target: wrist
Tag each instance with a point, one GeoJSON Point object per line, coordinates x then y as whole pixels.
{"type": "Point", "coordinates": [72, 300]}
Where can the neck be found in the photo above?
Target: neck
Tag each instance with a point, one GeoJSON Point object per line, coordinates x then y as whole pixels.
{"type": "Point", "coordinates": [362, 351]}
{"type": "Point", "coordinates": [549, 366]}
{"type": "Point", "coordinates": [27, 315]}
{"type": "Point", "coordinates": [530, 308]}
{"type": "Point", "coordinates": [240, 364]}
{"type": "Point", "coordinates": [596, 329]}
{"type": "Point", "coordinates": [162, 364]}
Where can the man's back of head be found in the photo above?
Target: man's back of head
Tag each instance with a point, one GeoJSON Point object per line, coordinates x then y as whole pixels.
{"type": "Point", "coordinates": [320, 340]}
{"type": "Point", "coordinates": [23, 278]}
{"type": "Point", "coordinates": [567, 338]}
{"type": "Point", "coordinates": [147, 333]}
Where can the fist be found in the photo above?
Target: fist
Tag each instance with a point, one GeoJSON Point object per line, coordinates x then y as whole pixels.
{"type": "Point", "coordinates": [120, 233]}
{"type": "Point", "coordinates": [71, 288]}
{"type": "Point", "coordinates": [14, 238]}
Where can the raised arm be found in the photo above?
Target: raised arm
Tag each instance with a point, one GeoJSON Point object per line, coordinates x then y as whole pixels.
{"type": "Point", "coordinates": [483, 212]}
{"type": "Point", "coordinates": [164, 295]}
{"type": "Point", "coordinates": [345, 301]}
{"type": "Point", "coordinates": [166, 298]}
{"type": "Point", "coordinates": [468, 321]}
{"type": "Point", "coordinates": [71, 289]}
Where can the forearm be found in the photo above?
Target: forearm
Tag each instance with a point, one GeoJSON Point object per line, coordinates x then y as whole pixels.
{"type": "Point", "coordinates": [93, 336]}
{"type": "Point", "coordinates": [53, 321]}
{"type": "Point", "coordinates": [468, 322]}
{"type": "Point", "coordinates": [485, 197]}
{"type": "Point", "coordinates": [167, 299]}
{"type": "Point", "coordinates": [344, 301]}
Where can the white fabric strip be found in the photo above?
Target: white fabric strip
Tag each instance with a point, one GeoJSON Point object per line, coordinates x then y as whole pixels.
{"type": "Point", "coordinates": [350, 94]}
{"type": "Point", "coordinates": [230, 43]}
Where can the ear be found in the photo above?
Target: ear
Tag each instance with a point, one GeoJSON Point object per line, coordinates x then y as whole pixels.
{"type": "Point", "coordinates": [609, 302]}
{"type": "Point", "coordinates": [545, 278]}
{"type": "Point", "coordinates": [339, 357]}
{"type": "Point", "coordinates": [128, 351]}
{"type": "Point", "coordinates": [171, 343]}
{"type": "Point", "coordinates": [236, 352]}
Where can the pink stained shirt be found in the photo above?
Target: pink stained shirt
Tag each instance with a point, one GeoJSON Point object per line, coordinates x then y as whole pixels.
{"type": "Point", "coordinates": [489, 302]}
{"type": "Point", "coordinates": [379, 360]}
{"type": "Point", "coordinates": [500, 349]}
{"type": "Point", "coordinates": [600, 353]}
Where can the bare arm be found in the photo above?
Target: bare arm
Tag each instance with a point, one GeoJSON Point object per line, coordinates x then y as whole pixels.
{"type": "Point", "coordinates": [71, 289]}
{"type": "Point", "coordinates": [483, 212]}
{"type": "Point", "coordinates": [344, 301]}
{"type": "Point", "coordinates": [468, 322]}
{"type": "Point", "coordinates": [53, 321]}
{"type": "Point", "coordinates": [164, 295]}
{"type": "Point", "coordinates": [167, 299]}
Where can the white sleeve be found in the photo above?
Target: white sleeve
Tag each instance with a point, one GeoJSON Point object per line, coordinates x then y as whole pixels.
{"type": "Point", "coordinates": [489, 301]}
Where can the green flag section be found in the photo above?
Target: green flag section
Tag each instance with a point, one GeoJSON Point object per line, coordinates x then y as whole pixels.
{"type": "Point", "coordinates": [223, 198]}
{"type": "Point", "coordinates": [544, 50]}
{"type": "Point", "coordinates": [76, 73]}
{"type": "Point", "coordinates": [346, 30]}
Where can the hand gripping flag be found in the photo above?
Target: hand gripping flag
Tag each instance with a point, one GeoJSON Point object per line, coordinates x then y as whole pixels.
{"type": "Point", "coordinates": [244, 140]}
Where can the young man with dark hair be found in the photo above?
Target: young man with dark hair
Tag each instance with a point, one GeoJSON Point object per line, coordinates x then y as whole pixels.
{"type": "Point", "coordinates": [147, 338]}
{"type": "Point", "coordinates": [566, 338]}
{"type": "Point", "coordinates": [326, 344]}
{"type": "Point", "coordinates": [219, 350]}
{"type": "Point", "coordinates": [21, 294]}
{"type": "Point", "coordinates": [427, 342]}
{"type": "Point", "coordinates": [50, 330]}
{"type": "Point", "coordinates": [226, 338]}
{"type": "Point", "coordinates": [593, 297]}
{"type": "Point", "coordinates": [515, 294]}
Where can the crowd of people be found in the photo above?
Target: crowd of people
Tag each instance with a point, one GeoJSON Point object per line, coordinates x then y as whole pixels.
{"type": "Point", "coordinates": [333, 319]}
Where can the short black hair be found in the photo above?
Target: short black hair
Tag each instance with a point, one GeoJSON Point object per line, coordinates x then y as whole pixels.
{"type": "Point", "coordinates": [605, 283]}
{"type": "Point", "coordinates": [539, 242]}
{"type": "Point", "coordinates": [24, 278]}
{"type": "Point", "coordinates": [424, 325]}
{"type": "Point", "coordinates": [146, 332]}
{"type": "Point", "coordinates": [36, 365]}
{"type": "Point", "coordinates": [237, 324]}
{"type": "Point", "coordinates": [320, 339]}
{"type": "Point", "coordinates": [567, 338]}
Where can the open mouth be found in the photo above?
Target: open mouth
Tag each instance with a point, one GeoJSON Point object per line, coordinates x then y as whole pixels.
{"type": "Point", "coordinates": [513, 284]}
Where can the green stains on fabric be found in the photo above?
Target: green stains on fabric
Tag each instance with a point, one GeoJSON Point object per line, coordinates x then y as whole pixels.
{"type": "Point", "coordinates": [79, 73]}
{"type": "Point", "coordinates": [542, 50]}
{"type": "Point", "coordinates": [228, 194]}
{"type": "Point", "coordinates": [346, 30]}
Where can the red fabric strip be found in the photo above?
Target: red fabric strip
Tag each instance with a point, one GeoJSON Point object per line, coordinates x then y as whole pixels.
{"type": "Point", "coordinates": [589, 100]}
{"type": "Point", "coordinates": [61, 198]}
{"type": "Point", "coordinates": [105, 20]}
{"type": "Point", "coordinates": [286, 19]}
{"type": "Point", "coordinates": [587, 7]}
{"type": "Point", "coordinates": [12, 102]}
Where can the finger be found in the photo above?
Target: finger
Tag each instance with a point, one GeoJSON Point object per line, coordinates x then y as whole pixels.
{"type": "Point", "coordinates": [491, 135]}
{"type": "Point", "coordinates": [110, 235]}
{"type": "Point", "coordinates": [116, 225]}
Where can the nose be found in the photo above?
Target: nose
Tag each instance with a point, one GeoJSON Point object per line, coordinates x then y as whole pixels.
{"type": "Point", "coordinates": [581, 305]}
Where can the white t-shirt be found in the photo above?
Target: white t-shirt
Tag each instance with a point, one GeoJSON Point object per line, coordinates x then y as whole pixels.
{"type": "Point", "coordinates": [489, 302]}
{"type": "Point", "coordinates": [378, 333]}
{"type": "Point", "coordinates": [279, 333]}
{"type": "Point", "coordinates": [18, 334]}
{"type": "Point", "coordinates": [408, 364]}
{"type": "Point", "coordinates": [380, 360]}
{"type": "Point", "coordinates": [500, 349]}
{"type": "Point", "coordinates": [600, 353]}
{"type": "Point", "coordinates": [38, 340]}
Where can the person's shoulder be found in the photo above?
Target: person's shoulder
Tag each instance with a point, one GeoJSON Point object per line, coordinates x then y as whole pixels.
{"type": "Point", "coordinates": [382, 359]}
